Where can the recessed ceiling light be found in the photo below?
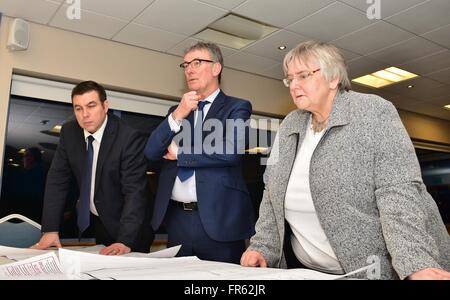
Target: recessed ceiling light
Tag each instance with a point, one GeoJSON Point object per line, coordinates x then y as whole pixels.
{"type": "Point", "coordinates": [447, 106]}
{"type": "Point", "coordinates": [282, 47]}
{"type": "Point", "coordinates": [410, 86]}
{"type": "Point", "coordinates": [385, 77]}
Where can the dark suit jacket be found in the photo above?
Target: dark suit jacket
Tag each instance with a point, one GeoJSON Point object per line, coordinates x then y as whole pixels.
{"type": "Point", "coordinates": [121, 193]}
{"type": "Point", "coordinates": [224, 202]}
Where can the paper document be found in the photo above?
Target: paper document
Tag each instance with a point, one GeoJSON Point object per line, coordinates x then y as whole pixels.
{"type": "Point", "coordinates": [21, 253]}
{"type": "Point", "coordinates": [75, 262]}
{"type": "Point", "coordinates": [187, 268]}
{"type": "Point", "coordinates": [86, 263]}
{"type": "Point", "coordinates": [44, 266]}
{"type": "Point", "coordinates": [165, 253]}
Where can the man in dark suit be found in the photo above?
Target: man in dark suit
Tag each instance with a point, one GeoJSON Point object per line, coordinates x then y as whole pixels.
{"type": "Point", "coordinates": [106, 157]}
{"type": "Point", "coordinates": [202, 199]}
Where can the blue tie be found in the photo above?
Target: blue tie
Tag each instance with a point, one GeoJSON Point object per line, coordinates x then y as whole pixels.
{"type": "Point", "coordinates": [83, 208]}
{"type": "Point", "coordinates": [183, 172]}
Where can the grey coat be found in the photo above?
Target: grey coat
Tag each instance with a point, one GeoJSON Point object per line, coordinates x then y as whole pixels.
{"type": "Point", "coordinates": [366, 187]}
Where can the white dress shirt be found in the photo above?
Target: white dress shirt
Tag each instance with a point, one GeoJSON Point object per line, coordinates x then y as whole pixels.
{"type": "Point", "coordinates": [309, 242]}
{"type": "Point", "coordinates": [186, 191]}
{"type": "Point", "coordinates": [98, 135]}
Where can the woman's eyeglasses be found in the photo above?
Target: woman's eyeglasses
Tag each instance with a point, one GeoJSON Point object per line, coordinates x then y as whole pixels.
{"type": "Point", "coordinates": [300, 77]}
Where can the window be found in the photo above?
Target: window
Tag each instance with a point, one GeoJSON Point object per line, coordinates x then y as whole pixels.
{"type": "Point", "coordinates": [435, 166]}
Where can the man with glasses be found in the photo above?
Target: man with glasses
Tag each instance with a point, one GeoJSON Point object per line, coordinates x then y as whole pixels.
{"type": "Point", "coordinates": [202, 199]}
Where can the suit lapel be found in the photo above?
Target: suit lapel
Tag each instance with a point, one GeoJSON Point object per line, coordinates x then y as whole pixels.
{"type": "Point", "coordinates": [190, 119]}
{"type": "Point", "coordinates": [105, 146]}
{"type": "Point", "coordinates": [216, 106]}
{"type": "Point", "coordinates": [80, 153]}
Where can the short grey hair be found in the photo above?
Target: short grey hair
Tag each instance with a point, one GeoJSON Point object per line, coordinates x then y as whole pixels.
{"type": "Point", "coordinates": [213, 49]}
{"type": "Point", "coordinates": [330, 58]}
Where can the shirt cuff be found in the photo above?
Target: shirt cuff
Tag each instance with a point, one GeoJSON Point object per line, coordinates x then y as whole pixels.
{"type": "Point", "coordinates": [174, 126]}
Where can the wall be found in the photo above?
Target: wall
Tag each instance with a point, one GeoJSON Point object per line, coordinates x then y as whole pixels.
{"type": "Point", "coordinates": [426, 128]}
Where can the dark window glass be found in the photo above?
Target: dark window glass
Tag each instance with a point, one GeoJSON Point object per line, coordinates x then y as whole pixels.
{"type": "Point", "coordinates": [435, 168]}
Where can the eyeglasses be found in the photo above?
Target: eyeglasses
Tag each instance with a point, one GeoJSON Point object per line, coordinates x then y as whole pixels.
{"type": "Point", "coordinates": [300, 77]}
{"type": "Point", "coordinates": [195, 63]}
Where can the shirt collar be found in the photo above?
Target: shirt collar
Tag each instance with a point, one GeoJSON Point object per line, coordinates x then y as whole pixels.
{"type": "Point", "coordinates": [211, 97]}
{"type": "Point", "coordinates": [99, 133]}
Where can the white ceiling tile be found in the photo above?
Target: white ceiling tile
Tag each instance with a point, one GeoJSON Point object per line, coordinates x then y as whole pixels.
{"type": "Point", "coordinates": [372, 38]}
{"type": "Point", "coordinates": [125, 10]}
{"type": "Point", "coordinates": [39, 11]}
{"type": "Point", "coordinates": [348, 55]}
{"type": "Point", "coordinates": [441, 76]}
{"type": "Point", "coordinates": [227, 51]}
{"type": "Point", "coordinates": [275, 72]}
{"type": "Point", "coordinates": [281, 12]}
{"type": "Point", "coordinates": [184, 17]}
{"type": "Point", "coordinates": [388, 7]}
{"type": "Point", "coordinates": [90, 23]}
{"type": "Point", "coordinates": [268, 47]}
{"type": "Point", "coordinates": [179, 49]}
{"type": "Point", "coordinates": [249, 62]}
{"type": "Point", "coordinates": [423, 17]}
{"type": "Point", "coordinates": [323, 19]}
{"type": "Point", "coordinates": [331, 22]}
{"type": "Point", "coordinates": [363, 66]}
{"type": "Point", "coordinates": [228, 4]}
{"type": "Point", "coordinates": [440, 36]}
{"type": "Point", "coordinates": [428, 64]}
{"type": "Point", "coordinates": [414, 48]}
{"type": "Point", "coordinates": [147, 37]}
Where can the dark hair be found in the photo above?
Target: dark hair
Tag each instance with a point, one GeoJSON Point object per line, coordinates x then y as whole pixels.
{"type": "Point", "coordinates": [214, 52]}
{"type": "Point", "coordinates": [88, 86]}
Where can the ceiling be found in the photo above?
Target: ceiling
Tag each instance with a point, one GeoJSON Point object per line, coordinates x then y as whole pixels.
{"type": "Point", "coordinates": [411, 34]}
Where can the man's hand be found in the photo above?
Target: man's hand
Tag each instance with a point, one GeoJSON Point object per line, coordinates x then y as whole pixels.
{"type": "Point", "coordinates": [188, 104]}
{"type": "Point", "coordinates": [115, 249]}
{"type": "Point", "coordinates": [430, 274]}
{"type": "Point", "coordinates": [252, 258]}
{"type": "Point", "coordinates": [172, 151]}
{"type": "Point", "coordinates": [49, 239]}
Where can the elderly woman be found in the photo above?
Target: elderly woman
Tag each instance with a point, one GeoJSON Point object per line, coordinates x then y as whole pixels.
{"type": "Point", "coordinates": [345, 182]}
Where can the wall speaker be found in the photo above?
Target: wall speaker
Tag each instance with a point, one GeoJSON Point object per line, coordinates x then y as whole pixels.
{"type": "Point", "coordinates": [19, 35]}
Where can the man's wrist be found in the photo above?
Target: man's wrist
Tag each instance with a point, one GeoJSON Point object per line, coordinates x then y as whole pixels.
{"type": "Point", "coordinates": [176, 119]}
